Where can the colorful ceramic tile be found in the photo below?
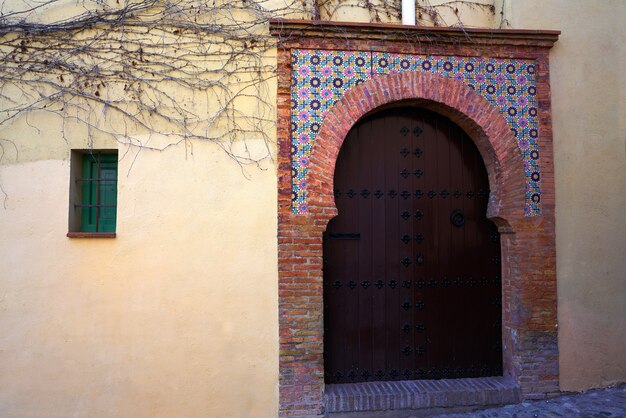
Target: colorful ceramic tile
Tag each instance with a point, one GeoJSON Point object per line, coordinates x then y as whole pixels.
{"type": "Point", "coordinates": [320, 78]}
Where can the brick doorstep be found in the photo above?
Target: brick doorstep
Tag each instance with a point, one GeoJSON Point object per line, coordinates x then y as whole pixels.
{"type": "Point", "coordinates": [425, 395]}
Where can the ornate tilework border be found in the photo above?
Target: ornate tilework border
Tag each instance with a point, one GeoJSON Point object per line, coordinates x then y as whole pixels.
{"type": "Point", "coordinates": [320, 78]}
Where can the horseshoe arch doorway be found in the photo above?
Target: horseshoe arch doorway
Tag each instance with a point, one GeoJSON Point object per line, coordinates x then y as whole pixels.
{"type": "Point", "coordinates": [412, 277]}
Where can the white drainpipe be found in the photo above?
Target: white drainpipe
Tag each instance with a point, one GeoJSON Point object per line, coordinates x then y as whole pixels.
{"type": "Point", "coordinates": [408, 12]}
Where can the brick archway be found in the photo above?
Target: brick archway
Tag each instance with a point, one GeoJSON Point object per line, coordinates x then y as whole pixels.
{"type": "Point", "coordinates": [529, 308]}
{"type": "Point", "coordinates": [474, 114]}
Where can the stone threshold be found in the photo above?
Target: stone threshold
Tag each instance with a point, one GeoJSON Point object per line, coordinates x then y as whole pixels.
{"type": "Point", "coordinates": [418, 397]}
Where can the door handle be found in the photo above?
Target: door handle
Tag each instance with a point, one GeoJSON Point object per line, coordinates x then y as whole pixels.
{"type": "Point", "coordinates": [457, 217]}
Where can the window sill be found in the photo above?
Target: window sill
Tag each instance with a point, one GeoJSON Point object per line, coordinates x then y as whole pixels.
{"type": "Point", "coordinates": [91, 234]}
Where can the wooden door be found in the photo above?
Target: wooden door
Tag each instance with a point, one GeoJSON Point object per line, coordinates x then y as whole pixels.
{"type": "Point", "coordinates": [411, 263]}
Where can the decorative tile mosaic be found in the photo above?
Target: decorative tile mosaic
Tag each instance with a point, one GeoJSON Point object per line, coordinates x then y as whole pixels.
{"type": "Point", "coordinates": [320, 78]}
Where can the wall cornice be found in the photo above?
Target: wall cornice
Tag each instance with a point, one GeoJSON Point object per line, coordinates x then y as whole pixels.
{"type": "Point", "coordinates": [287, 30]}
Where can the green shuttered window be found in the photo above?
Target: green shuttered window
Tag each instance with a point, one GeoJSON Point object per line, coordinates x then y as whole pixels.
{"type": "Point", "coordinates": [93, 193]}
{"type": "Point", "coordinates": [99, 193]}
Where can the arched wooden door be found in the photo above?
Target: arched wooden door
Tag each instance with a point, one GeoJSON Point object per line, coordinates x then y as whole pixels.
{"type": "Point", "coordinates": [411, 263]}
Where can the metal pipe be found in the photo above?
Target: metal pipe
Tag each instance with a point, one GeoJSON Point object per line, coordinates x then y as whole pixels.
{"type": "Point", "coordinates": [408, 12]}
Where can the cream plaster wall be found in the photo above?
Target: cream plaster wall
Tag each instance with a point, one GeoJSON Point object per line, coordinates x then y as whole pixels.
{"type": "Point", "coordinates": [447, 13]}
{"type": "Point", "coordinates": [176, 317]}
{"type": "Point", "coordinates": [588, 78]}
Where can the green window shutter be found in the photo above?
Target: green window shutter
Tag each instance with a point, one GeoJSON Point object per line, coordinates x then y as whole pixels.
{"type": "Point", "coordinates": [90, 168]}
{"type": "Point", "coordinates": [99, 193]}
{"type": "Point", "coordinates": [108, 195]}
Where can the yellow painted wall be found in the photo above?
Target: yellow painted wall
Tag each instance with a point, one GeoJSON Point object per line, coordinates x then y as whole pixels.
{"type": "Point", "coordinates": [443, 12]}
{"type": "Point", "coordinates": [589, 120]}
{"type": "Point", "coordinates": [176, 317]}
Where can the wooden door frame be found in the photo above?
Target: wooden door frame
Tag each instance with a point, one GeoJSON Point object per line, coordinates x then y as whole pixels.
{"type": "Point", "coordinates": [448, 161]}
{"type": "Point", "coordinates": [530, 351]}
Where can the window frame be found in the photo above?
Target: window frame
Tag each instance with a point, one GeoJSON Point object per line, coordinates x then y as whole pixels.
{"type": "Point", "coordinates": [93, 194]}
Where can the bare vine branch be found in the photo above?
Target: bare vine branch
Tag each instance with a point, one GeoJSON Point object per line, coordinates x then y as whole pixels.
{"type": "Point", "coordinates": [130, 69]}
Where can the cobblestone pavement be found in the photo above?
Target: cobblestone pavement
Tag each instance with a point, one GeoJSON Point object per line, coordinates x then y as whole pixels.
{"type": "Point", "coordinates": [599, 403]}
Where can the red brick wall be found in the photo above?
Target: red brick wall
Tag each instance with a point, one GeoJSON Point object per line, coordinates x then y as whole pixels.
{"type": "Point", "coordinates": [528, 243]}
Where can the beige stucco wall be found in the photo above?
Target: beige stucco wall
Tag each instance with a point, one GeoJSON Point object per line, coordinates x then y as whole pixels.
{"type": "Point", "coordinates": [429, 12]}
{"type": "Point", "coordinates": [589, 120]}
{"type": "Point", "coordinates": [176, 317]}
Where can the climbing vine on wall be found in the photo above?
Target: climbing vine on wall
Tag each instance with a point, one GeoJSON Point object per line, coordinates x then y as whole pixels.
{"type": "Point", "coordinates": [128, 69]}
